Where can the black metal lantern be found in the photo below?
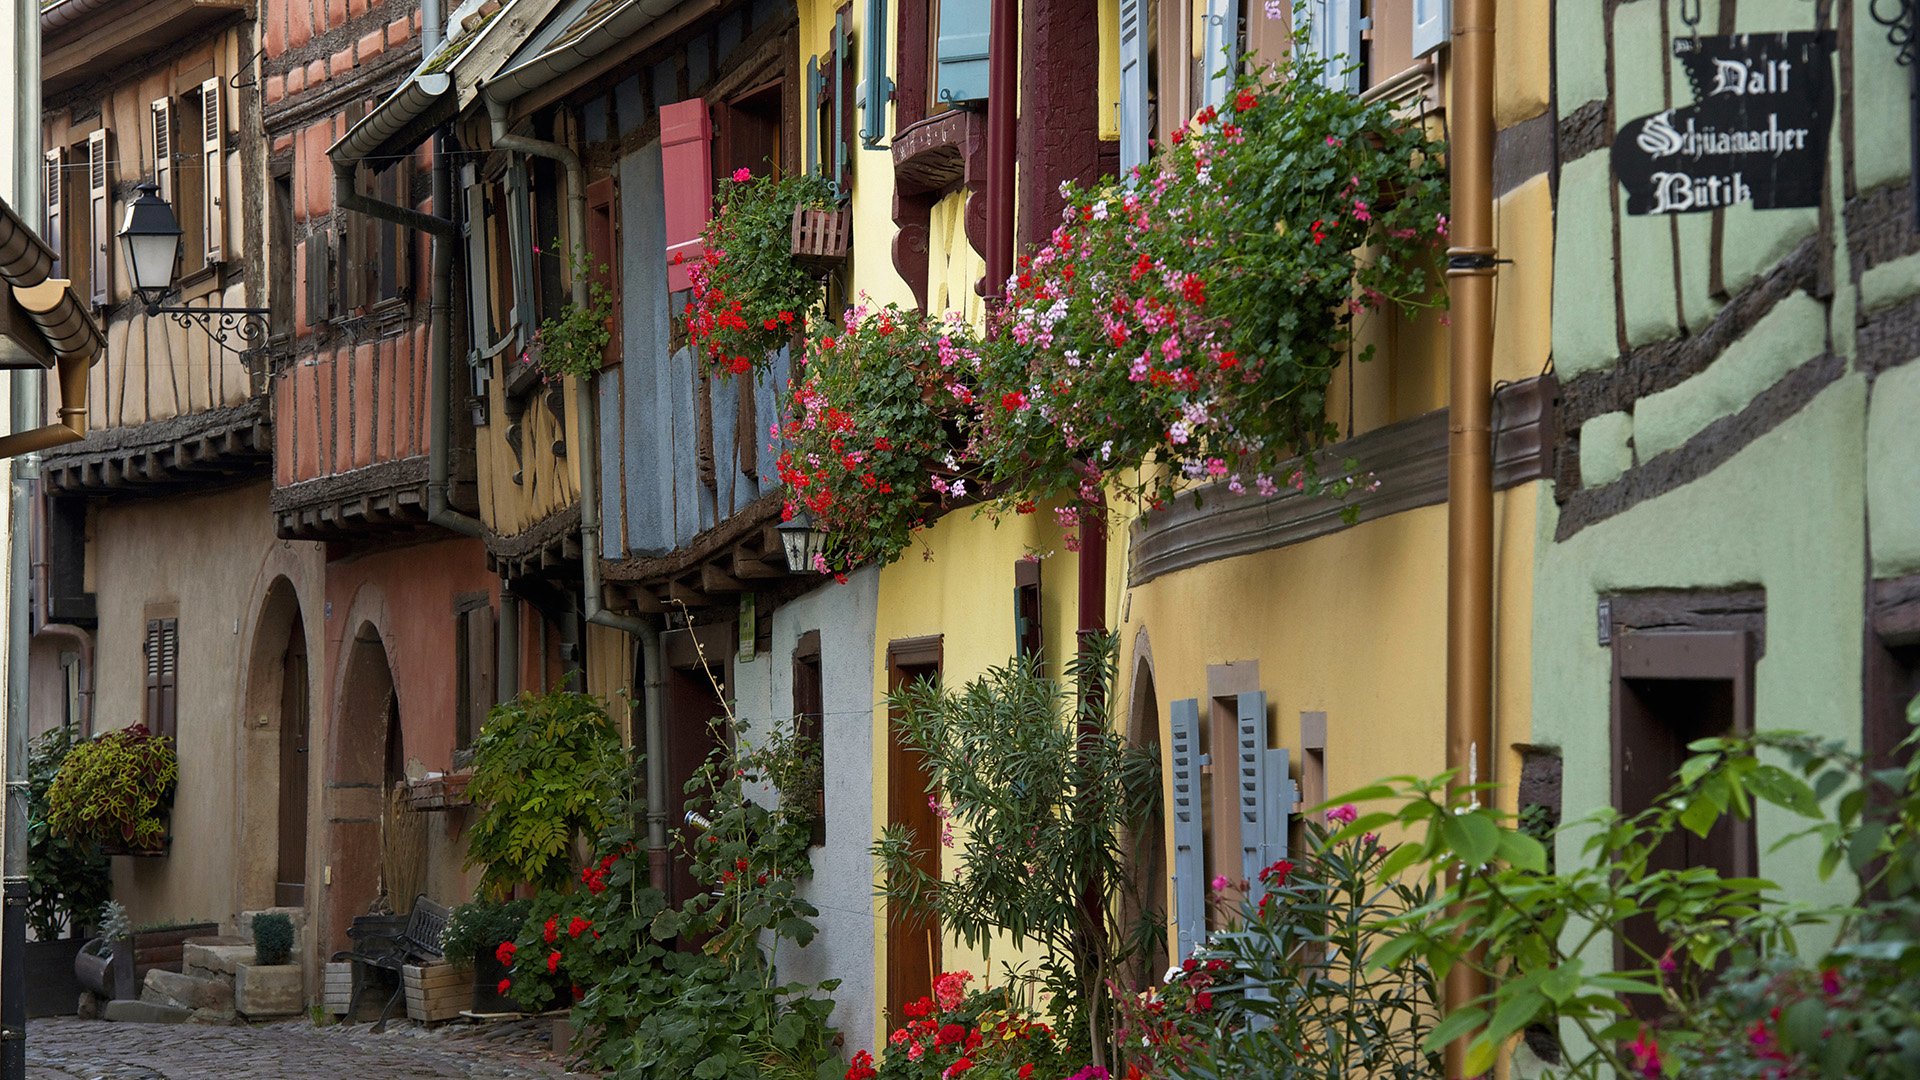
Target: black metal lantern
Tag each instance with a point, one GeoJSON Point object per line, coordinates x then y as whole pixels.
{"type": "Point", "coordinates": [150, 239]}
{"type": "Point", "coordinates": [803, 541]}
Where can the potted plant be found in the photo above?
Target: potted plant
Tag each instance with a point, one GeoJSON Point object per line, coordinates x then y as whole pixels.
{"type": "Point", "coordinates": [574, 342]}
{"type": "Point", "coordinates": [66, 885]}
{"type": "Point", "coordinates": [115, 790]}
{"type": "Point", "coordinates": [104, 964]}
{"type": "Point", "coordinates": [751, 294]}
{"type": "Point", "coordinates": [473, 934]}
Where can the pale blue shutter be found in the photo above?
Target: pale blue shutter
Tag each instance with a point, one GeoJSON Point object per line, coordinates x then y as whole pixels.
{"type": "Point", "coordinates": [1219, 51]}
{"type": "Point", "coordinates": [1250, 777]}
{"type": "Point", "coordinates": [1133, 85]}
{"type": "Point", "coordinates": [876, 88]}
{"type": "Point", "coordinates": [961, 49]}
{"type": "Point", "coordinates": [1189, 845]}
{"type": "Point", "coordinates": [811, 110]}
{"type": "Point", "coordinates": [1432, 24]}
{"type": "Point", "coordinates": [1333, 31]}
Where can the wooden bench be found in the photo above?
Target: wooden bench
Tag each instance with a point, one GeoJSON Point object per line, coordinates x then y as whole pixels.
{"type": "Point", "coordinates": [417, 943]}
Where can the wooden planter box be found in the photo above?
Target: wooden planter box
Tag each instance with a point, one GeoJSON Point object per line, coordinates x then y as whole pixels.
{"type": "Point", "coordinates": [821, 237]}
{"type": "Point", "coordinates": [164, 949]}
{"type": "Point", "coordinates": [437, 793]}
{"type": "Point", "coordinates": [336, 988]}
{"type": "Point", "coordinates": [437, 991]}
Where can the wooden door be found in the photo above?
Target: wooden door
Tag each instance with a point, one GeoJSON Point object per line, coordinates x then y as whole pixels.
{"type": "Point", "coordinates": [290, 882]}
{"type": "Point", "coordinates": [692, 706]}
{"type": "Point", "coordinates": [913, 939]}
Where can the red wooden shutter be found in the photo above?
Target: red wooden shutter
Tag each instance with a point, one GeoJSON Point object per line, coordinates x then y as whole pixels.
{"type": "Point", "coordinates": [686, 163]}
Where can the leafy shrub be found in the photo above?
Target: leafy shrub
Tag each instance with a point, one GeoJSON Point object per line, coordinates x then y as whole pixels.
{"type": "Point", "coordinates": [544, 769]}
{"type": "Point", "coordinates": [990, 1033]}
{"type": "Point", "coordinates": [1289, 988]}
{"type": "Point", "coordinates": [574, 342]}
{"type": "Point", "coordinates": [749, 296]}
{"type": "Point", "coordinates": [66, 878]}
{"type": "Point", "coordinates": [873, 426]}
{"type": "Point", "coordinates": [1045, 789]}
{"type": "Point", "coordinates": [478, 926]}
{"type": "Point", "coordinates": [115, 789]}
{"type": "Point", "coordinates": [272, 938]}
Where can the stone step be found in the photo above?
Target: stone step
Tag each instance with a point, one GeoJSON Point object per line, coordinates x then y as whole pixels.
{"type": "Point", "coordinates": [188, 992]}
{"type": "Point", "coordinates": [207, 960]}
{"type": "Point", "coordinates": [128, 1011]}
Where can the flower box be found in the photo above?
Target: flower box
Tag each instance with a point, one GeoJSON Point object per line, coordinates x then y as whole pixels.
{"type": "Point", "coordinates": [437, 992]}
{"type": "Point", "coordinates": [444, 791]}
{"type": "Point", "coordinates": [821, 237]}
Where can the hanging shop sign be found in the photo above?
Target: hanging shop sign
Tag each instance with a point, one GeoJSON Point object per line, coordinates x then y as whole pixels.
{"type": "Point", "coordinates": [1756, 133]}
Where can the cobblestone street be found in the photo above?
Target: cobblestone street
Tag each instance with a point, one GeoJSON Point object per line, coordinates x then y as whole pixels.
{"type": "Point", "coordinates": [69, 1049]}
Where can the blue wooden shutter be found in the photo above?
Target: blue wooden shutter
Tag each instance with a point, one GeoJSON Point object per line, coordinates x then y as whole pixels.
{"type": "Point", "coordinates": [1333, 31]}
{"type": "Point", "coordinates": [1219, 51]}
{"type": "Point", "coordinates": [876, 88]}
{"type": "Point", "coordinates": [1250, 778]}
{"type": "Point", "coordinates": [1189, 845]}
{"type": "Point", "coordinates": [1133, 85]}
{"type": "Point", "coordinates": [1432, 25]}
{"type": "Point", "coordinates": [961, 51]}
{"type": "Point", "coordinates": [810, 109]}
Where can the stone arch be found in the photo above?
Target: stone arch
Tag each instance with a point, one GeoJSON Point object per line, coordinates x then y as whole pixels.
{"type": "Point", "coordinates": [279, 632]}
{"type": "Point", "coordinates": [356, 777]}
{"type": "Point", "coordinates": [1147, 850]}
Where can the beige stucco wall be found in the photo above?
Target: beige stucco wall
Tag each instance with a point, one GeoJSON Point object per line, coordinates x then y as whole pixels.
{"type": "Point", "coordinates": [215, 556]}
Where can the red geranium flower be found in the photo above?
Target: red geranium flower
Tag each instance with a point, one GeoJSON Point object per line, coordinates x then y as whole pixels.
{"type": "Point", "coordinates": [503, 986]}
{"type": "Point", "coordinates": [504, 953]}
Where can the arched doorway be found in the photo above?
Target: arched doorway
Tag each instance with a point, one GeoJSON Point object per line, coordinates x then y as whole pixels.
{"type": "Point", "coordinates": [357, 791]}
{"type": "Point", "coordinates": [272, 788]}
{"type": "Point", "coordinates": [1147, 849]}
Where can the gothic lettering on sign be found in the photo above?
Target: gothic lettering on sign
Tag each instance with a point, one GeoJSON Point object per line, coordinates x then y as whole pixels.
{"type": "Point", "coordinates": [1756, 133]}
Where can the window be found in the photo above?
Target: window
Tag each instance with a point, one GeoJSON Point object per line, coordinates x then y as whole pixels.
{"type": "Point", "coordinates": [1670, 688]}
{"type": "Point", "coordinates": [161, 650]}
{"type": "Point", "coordinates": [473, 660]}
{"type": "Point", "coordinates": [959, 52]}
{"type": "Point", "coordinates": [830, 87]}
{"type": "Point", "coordinates": [193, 127]}
{"type": "Point", "coordinates": [1028, 638]}
{"type": "Point", "coordinates": [809, 715]}
{"type": "Point", "coordinates": [603, 254]}
{"type": "Point", "coordinates": [280, 250]}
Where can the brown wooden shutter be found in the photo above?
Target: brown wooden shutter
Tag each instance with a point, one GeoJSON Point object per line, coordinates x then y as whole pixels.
{"type": "Point", "coordinates": [603, 260]}
{"type": "Point", "coordinates": [100, 207]}
{"type": "Point", "coordinates": [213, 161]}
{"type": "Point", "coordinates": [163, 673]}
{"type": "Point", "coordinates": [476, 634]}
{"type": "Point", "coordinates": [161, 113]}
{"type": "Point", "coordinates": [809, 712]}
{"type": "Point", "coordinates": [319, 278]}
{"type": "Point", "coordinates": [56, 207]}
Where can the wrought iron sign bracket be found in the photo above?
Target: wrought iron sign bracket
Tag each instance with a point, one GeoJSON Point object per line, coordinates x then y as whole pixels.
{"type": "Point", "coordinates": [251, 325]}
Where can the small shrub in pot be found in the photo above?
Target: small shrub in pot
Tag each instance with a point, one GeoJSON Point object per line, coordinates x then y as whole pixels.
{"type": "Point", "coordinates": [272, 938]}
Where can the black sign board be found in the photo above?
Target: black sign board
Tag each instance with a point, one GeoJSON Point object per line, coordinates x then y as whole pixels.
{"type": "Point", "coordinates": [1756, 134]}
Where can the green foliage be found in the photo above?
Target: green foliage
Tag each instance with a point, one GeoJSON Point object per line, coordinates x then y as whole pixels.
{"type": "Point", "coordinates": [1044, 789]}
{"type": "Point", "coordinates": [749, 296]}
{"type": "Point", "coordinates": [478, 926]}
{"type": "Point", "coordinates": [1537, 934]}
{"type": "Point", "coordinates": [1193, 317]}
{"type": "Point", "coordinates": [873, 427]}
{"type": "Point", "coordinates": [545, 768]}
{"type": "Point", "coordinates": [272, 938]}
{"type": "Point", "coordinates": [994, 1030]}
{"type": "Point", "coordinates": [66, 878]}
{"type": "Point", "coordinates": [575, 341]}
{"type": "Point", "coordinates": [1290, 988]}
{"type": "Point", "coordinates": [650, 1011]}
{"type": "Point", "coordinates": [115, 789]}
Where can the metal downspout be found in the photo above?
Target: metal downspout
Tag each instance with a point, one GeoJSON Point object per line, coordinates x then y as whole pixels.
{"type": "Point", "coordinates": [440, 509]}
{"type": "Point", "coordinates": [433, 31]}
{"type": "Point", "coordinates": [587, 407]}
{"type": "Point", "coordinates": [1470, 279]}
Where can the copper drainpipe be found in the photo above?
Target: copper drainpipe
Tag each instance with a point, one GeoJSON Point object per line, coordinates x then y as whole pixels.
{"type": "Point", "coordinates": [1470, 273]}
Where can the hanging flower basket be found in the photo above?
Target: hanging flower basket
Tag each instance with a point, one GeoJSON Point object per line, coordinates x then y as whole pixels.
{"type": "Point", "coordinates": [821, 235]}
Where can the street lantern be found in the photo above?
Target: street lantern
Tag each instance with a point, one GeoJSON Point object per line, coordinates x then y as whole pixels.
{"type": "Point", "coordinates": [804, 542]}
{"type": "Point", "coordinates": [151, 242]}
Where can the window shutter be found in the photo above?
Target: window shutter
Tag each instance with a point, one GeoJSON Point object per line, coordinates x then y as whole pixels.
{"type": "Point", "coordinates": [603, 257]}
{"type": "Point", "coordinates": [1250, 774]}
{"type": "Point", "coordinates": [1189, 845]}
{"type": "Point", "coordinates": [213, 161]}
{"type": "Point", "coordinates": [1133, 85]}
{"type": "Point", "coordinates": [56, 207]}
{"type": "Point", "coordinates": [99, 204]}
{"type": "Point", "coordinates": [1219, 49]}
{"type": "Point", "coordinates": [686, 163]}
{"type": "Point", "coordinates": [319, 278]}
{"type": "Point", "coordinates": [1432, 25]}
{"type": "Point", "coordinates": [810, 108]}
{"type": "Point", "coordinates": [162, 671]}
{"type": "Point", "coordinates": [1333, 31]}
{"type": "Point", "coordinates": [877, 89]}
{"type": "Point", "coordinates": [162, 116]}
{"type": "Point", "coordinates": [961, 51]}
